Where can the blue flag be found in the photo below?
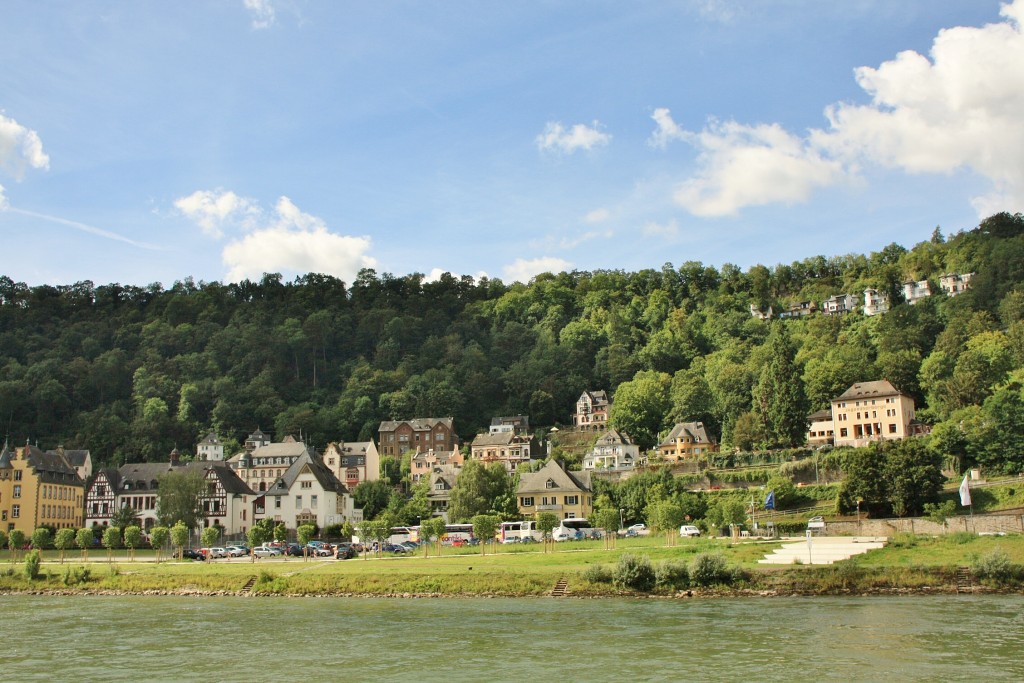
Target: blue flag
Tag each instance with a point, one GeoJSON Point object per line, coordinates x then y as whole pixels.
{"type": "Point", "coordinates": [769, 502]}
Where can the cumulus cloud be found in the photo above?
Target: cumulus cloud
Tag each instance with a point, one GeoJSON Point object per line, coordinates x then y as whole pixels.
{"type": "Point", "coordinates": [597, 216]}
{"type": "Point", "coordinates": [668, 130]}
{"type": "Point", "coordinates": [263, 14]}
{"type": "Point", "coordinates": [20, 148]}
{"type": "Point", "coordinates": [556, 137]}
{"type": "Point", "coordinates": [958, 108]}
{"type": "Point", "coordinates": [296, 242]}
{"type": "Point", "coordinates": [523, 270]}
{"type": "Point", "coordinates": [753, 165]}
{"type": "Point", "coordinates": [654, 229]}
{"type": "Point", "coordinates": [283, 239]}
{"type": "Point", "coordinates": [214, 210]}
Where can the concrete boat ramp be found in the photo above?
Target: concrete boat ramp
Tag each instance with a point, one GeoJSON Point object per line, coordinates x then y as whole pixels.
{"type": "Point", "coordinates": [823, 549]}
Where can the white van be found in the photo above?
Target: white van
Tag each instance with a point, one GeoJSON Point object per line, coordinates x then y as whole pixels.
{"type": "Point", "coordinates": [689, 530]}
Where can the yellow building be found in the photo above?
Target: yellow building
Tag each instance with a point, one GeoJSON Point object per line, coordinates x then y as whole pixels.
{"type": "Point", "coordinates": [553, 489]}
{"type": "Point", "coordinates": [39, 489]}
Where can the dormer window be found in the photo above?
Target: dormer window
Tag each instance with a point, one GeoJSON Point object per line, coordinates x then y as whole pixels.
{"type": "Point", "coordinates": [549, 484]}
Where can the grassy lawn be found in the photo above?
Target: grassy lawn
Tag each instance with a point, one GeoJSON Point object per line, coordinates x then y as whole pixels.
{"type": "Point", "coordinates": [507, 570]}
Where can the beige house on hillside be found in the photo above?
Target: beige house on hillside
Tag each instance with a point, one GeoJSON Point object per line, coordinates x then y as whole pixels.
{"type": "Point", "coordinates": [553, 489]}
{"type": "Point", "coordinates": [871, 411]}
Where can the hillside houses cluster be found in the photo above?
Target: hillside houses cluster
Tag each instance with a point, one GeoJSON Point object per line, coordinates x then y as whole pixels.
{"type": "Point", "coordinates": [292, 483]}
{"type": "Point", "coordinates": [873, 301]}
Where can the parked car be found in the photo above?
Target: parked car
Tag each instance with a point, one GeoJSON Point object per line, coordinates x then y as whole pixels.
{"type": "Point", "coordinates": [293, 549]}
{"type": "Point", "coordinates": [319, 551]}
{"type": "Point", "coordinates": [192, 554]}
{"type": "Point", "coordinates": [396, 548]}
{"type": "Point", "coordinates": [689, 530]}
{"type": "Point", "coordinates": [219, 552]}
{"type": "Point", "coordinates": [266, 551]}
{"type": "Point", "coordinates": [638, 529]}
{"type": "Point", "coordinates": [344, 551]}
{"type": "Point", "coordinates": [509, 540]}
{"type": "Point", "coordinates": [236, 551]}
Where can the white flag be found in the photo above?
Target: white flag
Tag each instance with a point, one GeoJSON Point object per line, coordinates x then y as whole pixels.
{"type": "Point", "coordinates": [965, 493]}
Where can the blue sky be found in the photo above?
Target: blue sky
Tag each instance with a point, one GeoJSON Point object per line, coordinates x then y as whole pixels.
{"type": "Point", "coordinates": [150, 141]}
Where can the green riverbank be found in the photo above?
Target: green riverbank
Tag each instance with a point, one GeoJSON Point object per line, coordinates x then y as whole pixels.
{"type": "Point", "coordinates": [909, 564]}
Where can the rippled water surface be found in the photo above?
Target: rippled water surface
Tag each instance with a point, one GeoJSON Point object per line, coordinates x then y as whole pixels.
{"type": "Point", "coordinates": [962, 638]}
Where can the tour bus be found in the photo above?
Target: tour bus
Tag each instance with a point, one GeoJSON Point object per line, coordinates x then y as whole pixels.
{"type": "Point", "coordinates": [518, 532]}
{"type": "Point", "coordinates": [574, 529]}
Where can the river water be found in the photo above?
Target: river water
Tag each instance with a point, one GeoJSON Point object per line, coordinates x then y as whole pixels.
{"type": "Point", "coordinates": [919, 638]}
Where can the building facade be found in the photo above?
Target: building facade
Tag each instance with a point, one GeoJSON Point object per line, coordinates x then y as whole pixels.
{"type": "Point", "coordinates": [568, 495]}
{"type": "Point", "coordinates": [39, 489]}
{"type": "Point", "coordinates": [871, 411]}
{"type": "Point", "coordinates": [686, 440]}
{"type": "Point", "coordinates": [592, 408]}
{"type": "Point", "coordinates": [419, 435]}
{"type": "Point", "coordinates": [613, 450]}
{"type": "Point", "coordinates": [353, 462]}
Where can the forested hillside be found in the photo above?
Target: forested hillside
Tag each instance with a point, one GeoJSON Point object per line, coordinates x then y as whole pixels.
{"type": "Point", "coordinates": [132, 372]}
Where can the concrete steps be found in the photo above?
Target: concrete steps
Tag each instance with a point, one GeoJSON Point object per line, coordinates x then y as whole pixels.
{"type": "Point", "coordinates": [823, 550]}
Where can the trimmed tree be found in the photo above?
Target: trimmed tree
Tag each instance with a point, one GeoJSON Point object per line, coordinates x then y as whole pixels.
{"type": "Point", "coordinates": [305, 533]}
{"type": "Point", "coordinates": [64, 539]}
{"type": "Point", "coordinates": [210, 536]}
{"type": "Point", "coordinates": [41, 538]}
{"type": "Point", "coordinates": [15, 540]}
{"type": "Point", "coordinates": [84, 539]}
{"type": "Point", "coordinates": [179, 538]}
{"type": "Point", "coordinates": [432, 528]}
{"type": "Point", "coordinates": [257, 535]}
{"type": "Point", "coordinates": [111, 537]}
{"type": "Point", "coordinates": [484, 528]}
{"type": "Point", "coordinates": [158, 536]}
{"type": "Point", "coordinates": [132, 539]}
{"type": "Point", "coordinates": [607, 519]}
{"type": "Point", "coordinates": [546, 523]}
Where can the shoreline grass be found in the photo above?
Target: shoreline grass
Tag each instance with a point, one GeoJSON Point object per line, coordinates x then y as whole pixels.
{"type": "Point", "coordinates": [907, 564]}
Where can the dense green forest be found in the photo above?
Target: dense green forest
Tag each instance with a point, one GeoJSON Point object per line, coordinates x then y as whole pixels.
{"type": "Point", "coordinates": [131, 372]}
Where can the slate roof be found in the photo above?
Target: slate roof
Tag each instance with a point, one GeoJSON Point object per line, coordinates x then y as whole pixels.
{"type": "Point", "coordinates": [323, 475]}
{"type": "Point", "coordinates": [419, 424]}
{"type": "Point", "coordinates": [695, 430]}
{"type": "Point", "coordinates": [614, 437]}
{"type": "Point", "coordinates": [536, 481]}
{"type": "Point", "coordinates": [876, 389]}
{"type": "Point", "coordinates": [51, 468]}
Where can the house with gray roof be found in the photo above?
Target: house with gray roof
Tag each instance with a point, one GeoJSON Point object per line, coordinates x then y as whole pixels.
{"type": "Point", "coordinates": [309, 493]}
{"type": "Point", "coordinates": [418, 434]}
{"type": "Point", "coordinates": [552, 488]}
{"type": "Point", "coordinates": [613, 450]}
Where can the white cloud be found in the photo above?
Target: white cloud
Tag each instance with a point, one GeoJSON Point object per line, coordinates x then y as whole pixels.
{"type": "Point", "coordinates": [214, 210]}
{"type": "Point", "coordinates": [523, 270]}
{"type": "Point", "coordinates": [958, 109]}
{"type": "Point", "coordinates": [557, 137]}
{"type": "Point", "coordinates": [263, 14]}
{"type": "Point", "coordinates": [597, 216]}
{"type": "Point", "coordinates": [668, 130]}
{"type": "Point", "coordinates": [296, 242]}
{"type": "Point", "coordinates": [753, 165]}
{"type": "Point", "coordinates": [3, 199]}
{"type": "Point", "coordinates": [20, 148]}
{"type": "Point", "coordinates": [653, 229]}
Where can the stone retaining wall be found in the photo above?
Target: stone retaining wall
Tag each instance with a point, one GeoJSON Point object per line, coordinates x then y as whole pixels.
{"type": "Point", "coordinates": [1008, 524]}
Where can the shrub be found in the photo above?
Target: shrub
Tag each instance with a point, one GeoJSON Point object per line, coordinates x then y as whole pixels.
{"type": "Point", "coordinates": [961, 537]}
{"type": "Point", "coordinates": [32, 565]}
{"type": "Point", "coordinates": [903, 539]}
{"type": "Point", "coordinates": [995, 567]}
{"type": "Point", "coordinates": [709, 569]}
{"type": "Point", "coordinates": [672, 574]}
{"type": "Point", "coordinates": [597, 573]}
{"type": "Point", "coordinates": [74, 576]}
{"type": "Point", "coordinates": [635, 572]}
